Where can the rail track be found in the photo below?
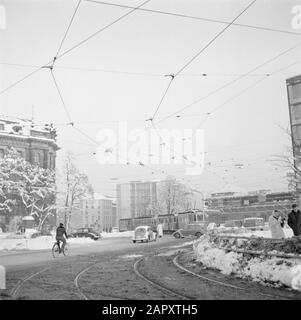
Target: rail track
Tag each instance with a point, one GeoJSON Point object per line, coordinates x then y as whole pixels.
{"type": "Point", "coordinates": [136, 268]}
{"type": "Point", "coordinates": [16, 289]}
{"type": "Point", "coordinates": [157, 284]}
{"type": "Point", "coordinates": [224, 284]}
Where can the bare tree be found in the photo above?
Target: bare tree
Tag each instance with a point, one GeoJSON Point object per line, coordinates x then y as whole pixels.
{"type": "Point", "coordinates": [74, 187]}
{"type": "Point", "coordinates": [291, 161]}
{"type": "Point", "coordinates": [171, 196]}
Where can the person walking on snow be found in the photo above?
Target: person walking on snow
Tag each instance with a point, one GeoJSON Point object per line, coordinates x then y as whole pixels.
{"type": "Point", "coordinates": [294, 220]}
{"type": "Point", "coordinates": [276, 224]}
{"type": "Point", "coordinates": [160, 230]}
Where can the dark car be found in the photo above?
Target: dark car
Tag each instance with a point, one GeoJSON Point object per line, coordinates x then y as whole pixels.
{"type": "Point", "coordinates": [86, 233]}
{"type": "Point", "coordinates": [195, 229]}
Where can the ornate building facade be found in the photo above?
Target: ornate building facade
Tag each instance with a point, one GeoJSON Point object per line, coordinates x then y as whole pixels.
{"type": "Point", "coordinates": [37, 144]}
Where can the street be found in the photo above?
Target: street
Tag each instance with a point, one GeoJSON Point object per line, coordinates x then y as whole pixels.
{"type": "Point", "coordinates": [118, 269]}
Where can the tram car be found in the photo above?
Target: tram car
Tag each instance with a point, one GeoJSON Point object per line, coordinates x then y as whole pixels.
{"type": "Point", "coordinates": [170, 222]}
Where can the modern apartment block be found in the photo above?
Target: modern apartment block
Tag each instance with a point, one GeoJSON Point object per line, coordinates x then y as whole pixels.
{"type": "Point", "coordinates": [136, 199]}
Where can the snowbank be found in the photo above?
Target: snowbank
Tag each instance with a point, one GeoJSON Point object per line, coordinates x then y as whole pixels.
{"type": "Point", "coordinates": [272, 271]}
{"type": "Point", "coordinates": [39, 243]}
{"type": "Point", "coordinates": [265, 234]}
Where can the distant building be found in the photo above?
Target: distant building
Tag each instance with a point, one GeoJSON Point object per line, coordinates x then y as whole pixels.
{"type": "Point", "coordinates": [96, 213]}
{"type": "Point", "coordinates": [36, 144]}
{"type": "Point", "coordinates": [237, 207]}
{"type": "Point", "coordinates": [136, 199]}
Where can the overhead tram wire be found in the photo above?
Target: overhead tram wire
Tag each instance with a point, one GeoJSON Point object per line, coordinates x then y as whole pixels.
{"type": "Point", "coordinates": [132, 73]}
{"type": "Point", "coordinates": [61, 97]}
{"type": "Point", "coordinates": [255, 84]}
{"type": "Point", "coordinates": [197, 18]}
{"type": "Point", "coordinates": [46, 64]}
{"type": "Point", "coordinates": [50, 63]}
{"type": "Point", "coordinates": [214, 38]}
{"type": "Point", "coordinates": [192, 59]}
{"type": "Point", "coordinates": [68, 28]}
{"type": "Point", "coordinates": [102, 29]}
{"type": "Point", "coordinates": [230, 83]}
{"type": "Point", "coordinates": [197, 55]}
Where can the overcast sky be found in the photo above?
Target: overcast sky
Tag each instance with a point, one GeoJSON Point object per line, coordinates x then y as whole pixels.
{"type": "Point", "coordinates": [132, 57]}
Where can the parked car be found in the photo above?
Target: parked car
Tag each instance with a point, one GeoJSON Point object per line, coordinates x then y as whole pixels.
{"type": "Point", "coordinates": [193, 229]}
{"type": "Point", "coordinates": [254, 223]}
{"type": "Point", "coordinates": [86, 233]}
{"type": "Point", "coordinates": [115, 229]}
{"type": "Point", "coordinates": [144, 233]}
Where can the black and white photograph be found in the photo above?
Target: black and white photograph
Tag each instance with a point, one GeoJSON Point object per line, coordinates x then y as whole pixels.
{"type": "Point", "coordinates": [150, 154]}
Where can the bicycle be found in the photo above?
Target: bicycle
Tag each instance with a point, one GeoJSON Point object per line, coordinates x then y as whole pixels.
{"type": "Point", "coordinates": [56, 249]}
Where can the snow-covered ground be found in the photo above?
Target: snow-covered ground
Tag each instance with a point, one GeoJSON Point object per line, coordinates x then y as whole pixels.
{"type": "Point", "coordinates": [273, 271]}
{"type": "Point", "coordinates": [11, 241]}
{"type": "Point", "coordinates": [265, 234]}
{"type": "Point", "coordinates": [125, 234]}
{"type": "Point", "coordinates": [39, 243]}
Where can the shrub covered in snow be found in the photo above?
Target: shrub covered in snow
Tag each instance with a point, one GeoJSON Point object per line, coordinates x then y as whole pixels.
{"type": "Point", "coordinates": [272, 271]}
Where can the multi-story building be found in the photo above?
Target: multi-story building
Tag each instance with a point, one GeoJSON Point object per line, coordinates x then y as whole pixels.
{"type": "Point", "coordinates": [136, 199]}
{"type": "Point", "coordinates": [96, 212]}
{"type": "Point", "coordinates": [37, 144]}
{"type": "Point", "coordinates": [254, 204]}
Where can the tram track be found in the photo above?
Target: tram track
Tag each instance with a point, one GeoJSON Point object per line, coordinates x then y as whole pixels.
{"type": "Point", "coordinates": [224, 284]}
{"type": "Point", "coordinates": [160, 275]}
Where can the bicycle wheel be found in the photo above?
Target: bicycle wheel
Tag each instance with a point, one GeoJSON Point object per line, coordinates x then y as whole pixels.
{"type": "Point", "coordinates": [66, 250]}
{"type": "Point", "coordinates": [55, 250]}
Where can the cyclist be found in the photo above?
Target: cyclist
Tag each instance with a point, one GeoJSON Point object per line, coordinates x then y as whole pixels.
{"type": "Point", "coordinates": [60, 232]}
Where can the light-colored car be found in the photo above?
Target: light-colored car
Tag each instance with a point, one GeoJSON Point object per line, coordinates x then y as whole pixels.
{"type": "Point", "coordinates": [144, 234]}
{"type": "Point", "coordinates": [115, 229]}
{"type": "Point", "coordinates": [193, 229]}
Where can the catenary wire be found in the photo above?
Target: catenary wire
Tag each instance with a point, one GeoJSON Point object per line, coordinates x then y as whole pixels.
{"type": "Point", "coordinates": [230, 82]}
{"type": "Point", "coordinates": [197, 18]}
{"type": "Point", "coordinates": [68, 28]}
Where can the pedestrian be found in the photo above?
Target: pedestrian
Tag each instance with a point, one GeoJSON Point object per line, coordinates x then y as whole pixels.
{"type": "Point", "coordinates": [160, 230]}
{"type": "Point", "coordinates": [276, 224]}
{"type": "Point", "coordinates": [294, 220]}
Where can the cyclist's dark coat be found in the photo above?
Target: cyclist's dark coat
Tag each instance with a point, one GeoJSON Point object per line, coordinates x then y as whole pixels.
{"type": "Point", "coordinates": [60, 231]}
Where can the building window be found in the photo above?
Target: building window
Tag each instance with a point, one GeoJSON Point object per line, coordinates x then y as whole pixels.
{"type": "Point", "coordinates": [2, 126]}
{"type": "Point", "coordinates": [20, 153]}
{"type": "Point", "coordinates": [37, 158]}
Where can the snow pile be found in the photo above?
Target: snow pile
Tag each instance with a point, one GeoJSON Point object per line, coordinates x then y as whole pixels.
{"type": "Point", "coordinates": [125, 234]}
{"type": "Point", "coordinates": [270, 271]}
{"type": "Point", "coordinates": [216, 258]}
{"type": "Point", "coordinates": [265, 234]}
{"type": "Point", "coordinates": [39, 243]}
